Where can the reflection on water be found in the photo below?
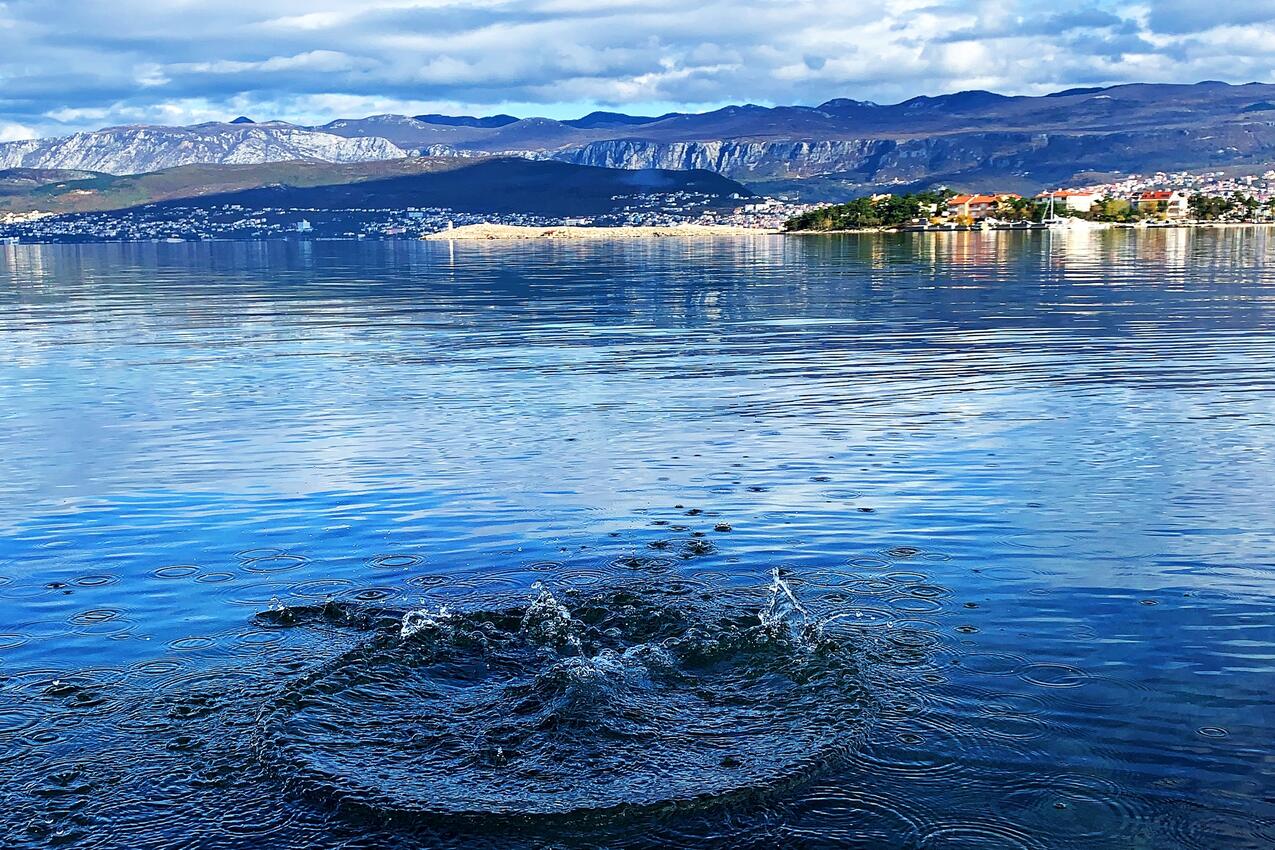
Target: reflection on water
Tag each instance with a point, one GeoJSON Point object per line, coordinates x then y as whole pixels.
{"type": "Point", "coordinates": [1023, 478]}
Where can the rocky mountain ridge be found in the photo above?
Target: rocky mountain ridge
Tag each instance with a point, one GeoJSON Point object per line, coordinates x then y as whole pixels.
{"type": "Point", "coordinates": [843, 145]}
{"type": "Point", "coordinates": [134, 150]}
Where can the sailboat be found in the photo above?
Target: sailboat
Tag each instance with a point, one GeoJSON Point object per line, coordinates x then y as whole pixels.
{"type": "Point", "coordinates": [1053, 221]}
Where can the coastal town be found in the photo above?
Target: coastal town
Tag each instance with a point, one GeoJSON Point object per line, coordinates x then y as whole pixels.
{"type": "Point", "coordinates": [1159, 199]}
{"type": "Point", "coordinates": [1156, 200]}
{"type": "Point", "coordinates": [182, 223]}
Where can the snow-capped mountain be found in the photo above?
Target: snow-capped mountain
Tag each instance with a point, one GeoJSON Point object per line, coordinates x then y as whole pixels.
{"type": "Point", "coordinates": [133, 150]}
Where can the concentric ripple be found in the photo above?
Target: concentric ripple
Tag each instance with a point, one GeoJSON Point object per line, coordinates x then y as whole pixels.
{"type": "Point", "coordinates": [589, 705]}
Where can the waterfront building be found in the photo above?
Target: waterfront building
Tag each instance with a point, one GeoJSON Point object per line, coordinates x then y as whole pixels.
{"type": "Point", "coordinates": [977, 207]}
{"type": "Point", "coordinates": [1076, 200]}
{"type": "Point", "coordinates": [1170, 203]}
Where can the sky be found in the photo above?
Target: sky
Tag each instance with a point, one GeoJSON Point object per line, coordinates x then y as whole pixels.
{"type": "Point", "coordinates": [69, 65]}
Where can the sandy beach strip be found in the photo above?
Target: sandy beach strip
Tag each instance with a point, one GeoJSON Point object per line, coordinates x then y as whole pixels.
{"type": "Point", "coordinates": [507, 231]}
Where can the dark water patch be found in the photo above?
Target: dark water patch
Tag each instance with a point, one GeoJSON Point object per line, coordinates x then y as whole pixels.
{"type": "Point", "coordinates": [396, 561]}
{"type": "Point", "coordinates": [1050, 675]}
{"type": "Point", "coordinates": [369, 594]}
{"type": "Point", "coordinates": [926, 591]}
{"type": "Point", "coordinates": [1107, 694]}
{"type": "Point", "coordinates": [17, 718]}
{"type": "Point", "coordinates": [1082, 811]}
{"type": "Point", "coordinates": [544, 566]}
{"type": "Point", "coordinates": [262, 552]}
{"type": "Point", "coordinates": [870, 586]}
{"type": "Point", "coordinates": [978, 834]}
{"type": "Point", "coordinates": [578, 707]}
{"type": "Point", "coordinates": [695, 548]}
{"type": "Point", "coordinates": [907, 578]}
{"type": "Point", "coordinates": [81, 692]}
{"type": "Point", "coordinates": [915, 605]}
{"type": "Point", "coordinates": [214, 578]}
{"type": "Point", "coordinates": [257, 638]}
{"type": "Point", "coordinates": [994, 663]}
{"type": "Point", "coordinates": [922, 749]}
{"type": "Point", "coordinates": [1193, 825]}
{"type": "Point", "coordinates": [642, 563]}
{"type": "Point", "coordinates": [859, 619]}
{"type": "Point", "coordinates": [95, 580]}
{"type": "Point", "coordinates": [274, 563]}
{"type": "Point", "coordinates": [330, 613]}
{"type": "Point", "coordinates": [427, 582]}
{"type": "Point", "coordinates": [176, 571]}
{"type": "Point", "coordinates": [156, 667]}
{"type": "Point", "coordinates": [192, 643]}
{"type": "Point", "coordinates": [861, 818]}
{"type": "Point", "coordinates": [12, 640]}
{"type": "Point", "coordinates": [320, 588]}
{"type": "Point", "coordinates": [96, 617]}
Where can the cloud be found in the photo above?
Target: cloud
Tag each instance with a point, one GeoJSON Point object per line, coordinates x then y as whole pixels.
{"type": "Point", "coordinates": [1186, 17]}
{"type": "Point", "coordinates": [170, 60]}
{"type": "Point", "coordinates": [10, 132]}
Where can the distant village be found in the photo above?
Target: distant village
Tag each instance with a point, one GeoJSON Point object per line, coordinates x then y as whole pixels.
{"type": "Point", "coordinates": [180, 223]}
{"type": "Point", "coordinates": [1161, 198]}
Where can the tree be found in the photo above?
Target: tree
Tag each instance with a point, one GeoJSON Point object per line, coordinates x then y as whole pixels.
{"type": "Point", "coordinates": [1213, 207]}
{"type": "Point", "coordinates": [1111, 209]}
{"type": "Point", "coordinates": [1246, 205]}
{"type": "Point", "coordinates": [1015, 209]}
{"type": "Point", "coordinates": [860, 213]}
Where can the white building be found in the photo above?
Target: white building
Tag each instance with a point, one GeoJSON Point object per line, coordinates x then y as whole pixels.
{"type": "Point", "coordinates": [1076, 200]}
{"type": "Point", "coordinates": [1171, 203]}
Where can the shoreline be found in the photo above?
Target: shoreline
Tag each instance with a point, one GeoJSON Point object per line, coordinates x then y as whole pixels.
{"type": "Point", "coordinates": [1089, 227]}
{"type": "Point", "coordinates": [483, 232]}
{"type": "Point", "coordinates": [516, 233]}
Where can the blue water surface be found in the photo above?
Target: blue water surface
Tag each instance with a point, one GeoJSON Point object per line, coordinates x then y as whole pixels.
{"type": "Point", "coordinates": [1043, 463]}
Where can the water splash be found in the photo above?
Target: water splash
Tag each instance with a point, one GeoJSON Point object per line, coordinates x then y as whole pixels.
{"type": "Point", "coordinates": [415, 622]}
{"type": "Point", "coordinates": [548, 622]}
{"type": "Point", "coordinates": [784, 615]}
{"type": "Point", "coordinates": [577, 706]}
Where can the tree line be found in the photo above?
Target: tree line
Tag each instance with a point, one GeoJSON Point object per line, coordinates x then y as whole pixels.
{"type": "Point", "coordinates": [882, 211]}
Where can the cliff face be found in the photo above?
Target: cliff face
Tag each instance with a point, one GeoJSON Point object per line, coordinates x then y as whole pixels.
{"type": "Point", "coordinates": [733, 158]}
{"type": "Point", "coordinates": [1028, 157]}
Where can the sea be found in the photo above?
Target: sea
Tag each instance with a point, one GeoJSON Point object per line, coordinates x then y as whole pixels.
{"type": "Point", "coordinates": [937, 540]}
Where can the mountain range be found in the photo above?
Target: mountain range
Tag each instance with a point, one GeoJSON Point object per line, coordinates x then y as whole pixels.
{"type": "Point", "coordinates": [968, 139]}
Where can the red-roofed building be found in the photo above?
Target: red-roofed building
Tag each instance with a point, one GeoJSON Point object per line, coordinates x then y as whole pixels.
{"type": "Point", "coordinates": [1072, 199]}
{"type": "Point", "coordinates": [977, 207]}
{"type": "Point", "coordinates": [1166, 202]}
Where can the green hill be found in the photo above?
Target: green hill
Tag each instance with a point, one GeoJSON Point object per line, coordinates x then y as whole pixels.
{"type": "Point", "coordinates": [486, 184]}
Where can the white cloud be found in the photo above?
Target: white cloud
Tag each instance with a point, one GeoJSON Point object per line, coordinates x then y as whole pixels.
{"type": "Point", "coordinates": [10, 132]}
{"type": "Point", "coordinates": [151, 60]}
